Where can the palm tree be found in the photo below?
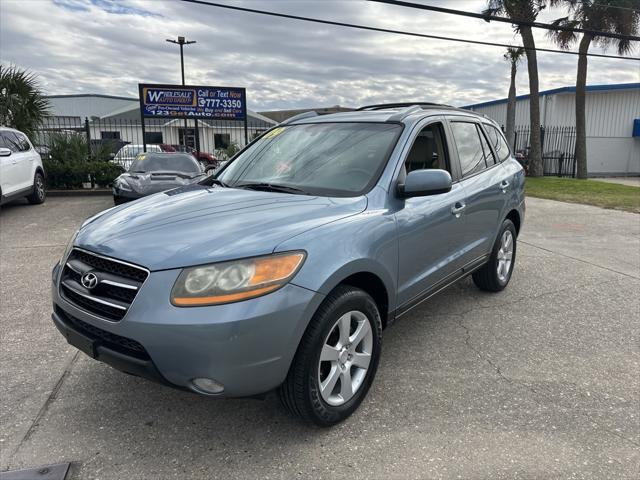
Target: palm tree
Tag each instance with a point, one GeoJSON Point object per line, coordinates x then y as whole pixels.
{"type": "Point", "coordinates": [22, 104]}
{"type": "Point", "coordinates": [526, 10]}
{"type": "Point", "coordinates": [611, 16]}
{"type": "Point", "coordinates": [513, 56]}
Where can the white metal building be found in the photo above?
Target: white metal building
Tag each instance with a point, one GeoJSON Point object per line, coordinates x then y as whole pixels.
{"type": "Point", "coordinates": [118, 118]}
{"type": "Point", "coordinates": [611, 110]}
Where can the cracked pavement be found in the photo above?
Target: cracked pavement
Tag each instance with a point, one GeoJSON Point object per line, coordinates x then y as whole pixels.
{"type": "Point", "coordinates": [539, 381]}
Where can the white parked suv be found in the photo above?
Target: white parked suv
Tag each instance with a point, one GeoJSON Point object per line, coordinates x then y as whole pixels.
{"type": "Point", "coordinates": [21, 171]}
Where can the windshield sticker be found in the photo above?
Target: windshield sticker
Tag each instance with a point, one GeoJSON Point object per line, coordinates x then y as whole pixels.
{"type": "Point", "coordinates": [274, 133]}
{"type": "Point", "coordinates": [141, 156]}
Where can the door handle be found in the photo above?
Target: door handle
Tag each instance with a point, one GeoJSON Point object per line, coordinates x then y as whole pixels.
{"type": "Point", "coordinates": [504, 185]}
{"type": "Point", "coordinates": [457, 209]}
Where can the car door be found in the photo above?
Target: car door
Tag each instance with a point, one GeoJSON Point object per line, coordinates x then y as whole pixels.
{"type": "Point", "coordinates": [430, 228]}
{"type": "Point", "coordinates": [485, 185]}
{"type": "Point", "coordinates": [9, 168]}
{"type": "Point", "coordinates": [25, 158]}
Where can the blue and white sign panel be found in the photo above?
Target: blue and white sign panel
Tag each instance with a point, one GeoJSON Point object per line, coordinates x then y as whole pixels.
{"type": "Point", "coordinates": [187, 101]}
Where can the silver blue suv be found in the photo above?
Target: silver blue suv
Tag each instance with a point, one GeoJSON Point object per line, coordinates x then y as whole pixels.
{"type": "Point", "coordinates": [283, 269]}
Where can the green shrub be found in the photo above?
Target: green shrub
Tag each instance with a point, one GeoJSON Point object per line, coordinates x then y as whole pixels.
{"type": "Point", "coordinates": [68, 148]}
{"type": "Point", "coordinates": [104, 173]}
{"type": "Point", "coordinates": [72, 174]}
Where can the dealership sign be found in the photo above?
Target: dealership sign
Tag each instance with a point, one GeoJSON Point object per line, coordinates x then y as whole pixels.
{"type": "Point", "coordinates": [187, 101]}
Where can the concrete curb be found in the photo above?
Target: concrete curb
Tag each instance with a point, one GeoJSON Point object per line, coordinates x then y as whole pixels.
{"type": "Point", "coordinates": [79, 193]}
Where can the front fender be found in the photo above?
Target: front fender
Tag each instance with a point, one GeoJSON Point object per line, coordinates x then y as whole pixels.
{"type": "Point", "coordinates": [366, 242]}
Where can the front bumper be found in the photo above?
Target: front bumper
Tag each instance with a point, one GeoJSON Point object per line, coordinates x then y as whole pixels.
{"type": "Point", "coordinates": [246, 346]}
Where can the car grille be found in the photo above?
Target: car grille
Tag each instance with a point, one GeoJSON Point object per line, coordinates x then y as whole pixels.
{"type": "Point", "coordinates": [110, 340]}
{"type": "Point", "coordinates": [116, 284]}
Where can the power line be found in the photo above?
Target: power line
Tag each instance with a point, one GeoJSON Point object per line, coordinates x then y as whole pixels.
{"type": "Point", "coordinates": [397, 32]}
{"type": "Point", "coordinates": [604, 5]}
{"type": "Point", "coordinates": [496, 18]}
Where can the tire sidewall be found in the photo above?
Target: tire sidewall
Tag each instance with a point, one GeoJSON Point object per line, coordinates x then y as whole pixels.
{"type": "Point", "coordinates": [354, 300]}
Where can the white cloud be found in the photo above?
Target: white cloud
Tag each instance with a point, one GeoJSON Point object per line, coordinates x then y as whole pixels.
{"type": "Point", "coordinates": [103, 46]}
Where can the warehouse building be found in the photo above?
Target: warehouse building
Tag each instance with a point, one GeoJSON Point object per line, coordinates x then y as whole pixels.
{"type": "Point", "coordinates": [612, 121]}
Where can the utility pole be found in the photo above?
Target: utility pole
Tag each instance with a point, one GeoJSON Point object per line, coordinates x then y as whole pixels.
{"type": "Point", "coordinates": [182, 42]}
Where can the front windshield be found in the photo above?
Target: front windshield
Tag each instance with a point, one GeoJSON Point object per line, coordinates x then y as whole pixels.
{"type": "Point", "coordinates": [341, 159]}
{"type": "Point", "coordinates": [165, 162]}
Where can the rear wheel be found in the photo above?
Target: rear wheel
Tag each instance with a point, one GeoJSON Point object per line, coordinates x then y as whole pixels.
{"type": "Point", "coordinates": [337, 359]}
{"type": "Point", "coordinates": [496, 273]}
{"type": "Point", "coordinates": [38, 195]}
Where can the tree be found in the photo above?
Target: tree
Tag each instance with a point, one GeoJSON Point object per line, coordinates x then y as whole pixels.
{"type": "Point", "coordinates": [611, 16]}
{"type": "Point", "coordinates": [526, 10]}
{"type": "Point", "coordinates": [22, 104]}
{"type": "Point", "coordinates": [513, 56]}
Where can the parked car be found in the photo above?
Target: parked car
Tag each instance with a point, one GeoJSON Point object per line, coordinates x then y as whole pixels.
{"type": "Point", "coordinates": [203, 157]}
{"type": "Point", "coordinates": [21, 170]}
{"type": "Point", "coordinates": [281, 271]}
{"type": "Point", "coordinates": [155, 172]}
{"type": "Point", "coordinates": [127, 154]}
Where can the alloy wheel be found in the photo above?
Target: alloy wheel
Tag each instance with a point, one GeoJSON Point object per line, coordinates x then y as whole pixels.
{"type": "Point", "coordinates": [345, 358]}
{"type": "Point", "coordinates": [505, 256]}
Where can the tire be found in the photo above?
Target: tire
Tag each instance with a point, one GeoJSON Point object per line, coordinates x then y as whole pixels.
{"type": "Point", "coordinates": [302, 393]}
{"type": "Point", "coordinates": [494, 276]}
{"type": "Point", "coordinates": [39, 194]}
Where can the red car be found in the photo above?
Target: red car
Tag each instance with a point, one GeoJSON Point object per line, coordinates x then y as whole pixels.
{"type": "Point", "coordinates": [203, 157]}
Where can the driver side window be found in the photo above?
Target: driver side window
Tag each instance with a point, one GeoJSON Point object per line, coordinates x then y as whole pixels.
{"type": "Point", "coordinates": [429, 150]}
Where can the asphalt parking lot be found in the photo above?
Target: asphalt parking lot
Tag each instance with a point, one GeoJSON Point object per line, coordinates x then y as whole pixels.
{"type": "Point", "coordinates": [539, 381]}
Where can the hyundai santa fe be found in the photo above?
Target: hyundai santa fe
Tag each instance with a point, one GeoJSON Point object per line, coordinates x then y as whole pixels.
{"type": "Point", "coordinates": [282, 270]}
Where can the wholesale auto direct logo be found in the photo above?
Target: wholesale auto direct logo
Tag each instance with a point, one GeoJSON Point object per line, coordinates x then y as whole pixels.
{"type": "Point", "coordinates": [170, 97]}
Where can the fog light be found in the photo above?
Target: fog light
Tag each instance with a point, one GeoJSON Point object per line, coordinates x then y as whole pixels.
{"type": "Point", "coordinates": [207, 385]}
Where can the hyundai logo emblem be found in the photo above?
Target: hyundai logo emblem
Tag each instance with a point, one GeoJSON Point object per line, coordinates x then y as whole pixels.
{"type": "Point", "coordinates": [89, 280]}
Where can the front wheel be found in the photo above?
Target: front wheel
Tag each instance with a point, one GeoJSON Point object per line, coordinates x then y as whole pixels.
{"type": "Point", "coordinates": [38, 195]}
{"type": "Point", "coordinates": [496, 273]}
{"type": "Point", "coordinates": [337, 359]}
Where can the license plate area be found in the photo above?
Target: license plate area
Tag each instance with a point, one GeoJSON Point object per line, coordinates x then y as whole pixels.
{"type": "Point", "coordinates": [82, 343]}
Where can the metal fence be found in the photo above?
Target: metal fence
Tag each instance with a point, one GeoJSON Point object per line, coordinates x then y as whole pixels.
{"type": "Point", "coordinates": [207, 138]}
{"type": "Point", "coordinates": [558, 148]}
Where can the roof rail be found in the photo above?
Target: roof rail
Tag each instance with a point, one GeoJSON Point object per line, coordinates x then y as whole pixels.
{"type": "Point", "coordinates": [301, 116]}
{"type": "Point", "coordinates": [381, 106]}
{"type": "Point", "coordinates": [405, 112]}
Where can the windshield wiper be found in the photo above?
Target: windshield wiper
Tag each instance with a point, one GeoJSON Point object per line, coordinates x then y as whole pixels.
{"type": "Point", "coordinates": [168, 172]}
{"type": "Point", "coordinates": [270, 187]}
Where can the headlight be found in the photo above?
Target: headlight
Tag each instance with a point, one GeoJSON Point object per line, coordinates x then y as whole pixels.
{"type": "Point", "coordinates": [121, 184]}
{"type": "Point", "coordinates": [233, 281]}
{"type": "Point", "coordinates": [68, 248]}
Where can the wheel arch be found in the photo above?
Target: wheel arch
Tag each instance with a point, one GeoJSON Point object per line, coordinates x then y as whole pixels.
{"type": "Point", "coordinates": [371, 278]}
{"type": "Point", "coordinates": [514, 216]}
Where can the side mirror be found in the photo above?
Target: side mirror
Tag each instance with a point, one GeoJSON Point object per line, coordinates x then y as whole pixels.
{"type": "Point", "coordinates": [112, 155]}
{"type": "Point", "coordinates": [420, 183]}
{"type": "Point", "coordinates": [5, 152]}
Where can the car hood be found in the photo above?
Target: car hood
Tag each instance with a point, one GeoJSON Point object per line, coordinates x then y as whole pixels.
{"type": "Point", "coordinates": [195, 224]}
{"type": "Point", "coordinates": [148, 183]}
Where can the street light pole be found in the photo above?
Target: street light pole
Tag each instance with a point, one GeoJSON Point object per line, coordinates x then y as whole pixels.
{"type": "Point", "coordinates": [182, 42]}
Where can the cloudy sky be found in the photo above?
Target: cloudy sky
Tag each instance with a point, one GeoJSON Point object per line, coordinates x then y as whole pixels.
{"type": "Point", "coordinates": [108, 47]}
